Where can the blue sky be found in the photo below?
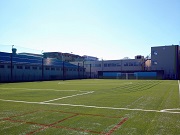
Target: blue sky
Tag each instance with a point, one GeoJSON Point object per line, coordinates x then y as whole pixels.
{"type": "Point", "coordinates": [108, 29]}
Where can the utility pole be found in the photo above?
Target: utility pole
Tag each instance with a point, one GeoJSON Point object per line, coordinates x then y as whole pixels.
{"type": "Point", "coordinates": [42, 65]}
{"type": "Point", "coordinates": [12, 64]}
{"type": "Point", "coordinates": [90, 70]}
{"type": "Point", "coordinates": [83, 69]}
{"type": "Point", "coordinates": [78, 71]}
{"type": "Point", "coordinates": [63, 69]}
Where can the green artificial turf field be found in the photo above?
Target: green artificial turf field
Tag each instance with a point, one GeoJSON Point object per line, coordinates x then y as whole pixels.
{"type": "Point", "coordinates": [81, 107]}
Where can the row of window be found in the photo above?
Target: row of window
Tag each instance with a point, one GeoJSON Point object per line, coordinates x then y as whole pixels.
{"type": "Point", "coordinates": [115, 64]}
{"type": "Point", "coordinates": [132, 64]}
{"type": "Point", "coordinates": [40, 68]}
{"type": "Point", "coordinates": [155, 62]}
{"type": "Point", "coordinates": [155, 52]}
{"type": "Point", "coordinates": [112, 65]}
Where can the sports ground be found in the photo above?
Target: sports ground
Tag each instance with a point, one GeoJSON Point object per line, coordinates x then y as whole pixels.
{"type": "Point", "coordinates": [92, 106]}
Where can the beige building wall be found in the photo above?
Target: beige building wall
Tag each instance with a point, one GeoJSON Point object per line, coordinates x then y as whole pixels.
{"type": "Point", "coordinates": [111, 65]}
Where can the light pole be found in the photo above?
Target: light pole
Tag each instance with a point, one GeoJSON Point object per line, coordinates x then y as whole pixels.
{"type": "Point", "coordinates": [42, 65]}
{"type": "Point", "coordinates": [83, 69]}
{"type": "Point", "coordinates": [63, 66]}
{"type": "Point", "coordinates": [102, 64]}
{"type": "Point", "coordinates": [78, 71]}
{"type": "Point", "coordinates": [12, 64]}
{"type": "Point", "coordinates": [88, 74]}
{"type": "Point", "coordinates": [102, 67]}
{"type": "Point", "coordinates": [90, 71]}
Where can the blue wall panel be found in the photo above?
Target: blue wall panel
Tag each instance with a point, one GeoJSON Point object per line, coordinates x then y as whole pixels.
{"type": "Point", "coordinates": [146, 74]}
{"type": "Point", "coordinates": [110, 74]}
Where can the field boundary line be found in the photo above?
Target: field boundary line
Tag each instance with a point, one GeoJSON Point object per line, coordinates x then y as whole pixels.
{"type": "Point", "coordinates": [97, 107]}
{"type": "Point", "coordinates": [42, 89]}
{"type": "Point", "coordinates": [129, 83]}
{"type": "Point", "coordinates": [68, 97]}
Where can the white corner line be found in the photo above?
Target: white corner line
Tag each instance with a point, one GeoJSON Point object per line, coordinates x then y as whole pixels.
{"type": "Point", "coordinates": [179, 91]}
{"type": "Point", "coordinates": [171, 111]}
{"type": "Point", "coordinates": [68, 97]}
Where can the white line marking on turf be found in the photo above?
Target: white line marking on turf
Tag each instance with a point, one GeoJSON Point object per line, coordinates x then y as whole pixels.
{"type": "Point", "coordinates": [97, 83]}
{"type": "Point", "coordinates": [41, 89]}
{"type": "Point", "coordinates": [98, 107]}
{"type": "Point", "coordinates": [68, 97]}
{"type": "Point", "coordinates": [175, 110]}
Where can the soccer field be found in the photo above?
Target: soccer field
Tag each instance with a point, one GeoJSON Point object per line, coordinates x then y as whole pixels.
{"type": "Point", "coordinates": [84, 107]}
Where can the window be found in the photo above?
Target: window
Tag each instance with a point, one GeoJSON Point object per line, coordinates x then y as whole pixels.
{"type": "Point", "coordinates": [40, 68]}
{"type": "Point", "coordinates": [97, 65]}
{"type": "Point", "coordinates": [10, 66]}
{"type": "Point", "coordinates": [34, 68]}
{"type": "Point", "coordinates": [155, 63]}
{"type": "Point", "coordinates": [105, 65]}
{"type": "Point", "coordinates": [155, 52]}
{"type": "Point", "coordinates": [113, 64]}
{"type": "Point", "coordinates": [53, 69]}
{"type": "Point", "coordinates": [109, 65]}
{"type": "Point", "coordinates": [86, 65]}
{"type": "Point", "coordinates": [58, 69]}
{"type": "Point", "coordinates": [118, 64]}
{"type": "Point", "coordinates": [1, 66]}
{"type": "Point", "coordinates": [19, 67]}
{"type": "Point", "coordinates": [27, 67]}
{"type": "Point", "coordinates": [136, 64]}
{"type": "Point", "coordinates": [92, 65]}
{"type": "Point", "coordinates": [126, 64]}
{"type": "Point", "coordinates": [130, 64]}
{"type": "Point", "coordinates": [139, 57]}
{"type": "Point", "coordinates": [47, 68]}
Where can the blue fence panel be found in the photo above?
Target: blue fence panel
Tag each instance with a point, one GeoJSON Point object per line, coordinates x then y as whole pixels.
{"type": "Point", "coordinates": [146, 74]}
{"type": "Point", "coordinates": [111, 74]}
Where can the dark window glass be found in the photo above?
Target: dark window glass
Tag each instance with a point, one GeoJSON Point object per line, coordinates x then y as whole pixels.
{"type": "Point", "coordinates": [58, 69]}
{"type": "Point", "coordinates": [47, 68]}
{"type": "Point", "coordinates": [10, 66]}
{"type": "Point", "coordinates": [19, 67]}
{"type": "Point", "coordinates": [34, 68]}
{"type": "Point", "coordinates": [27, 67]}
{"type": "Point", "coordinates": [53, 69]}
{"type": "Point", "coordinates": [1, 66]}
